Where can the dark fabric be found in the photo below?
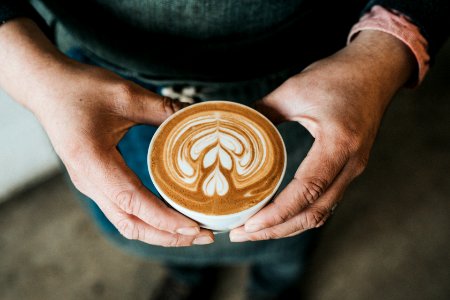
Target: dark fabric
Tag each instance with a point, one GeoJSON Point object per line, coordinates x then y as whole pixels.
{"type": "Point", "coordinates": [431, 16]}
{"type": "Point", "coordinates": [229, 55]}
{"type": "Point", "coordinates": [10, 9]}
{"type": "Point", "coordinates": [221, 40]}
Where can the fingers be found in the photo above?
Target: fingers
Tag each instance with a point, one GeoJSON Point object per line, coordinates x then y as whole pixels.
{"type": "Point", "coordinates": [316, 173]}
{"type": "Point", "coordinates": [142, 106]}
{"type": "Point", "coordinates": [313, 216]}
{"type": "Point", "coordinates": [134, 229]}
{"type": "Point", "coordinates": [133, 198]}
{"type": "Point", "coordinates": [104, 175]}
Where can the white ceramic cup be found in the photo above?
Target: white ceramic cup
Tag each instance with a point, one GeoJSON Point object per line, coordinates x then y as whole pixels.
{"type": "Point", "coordinates": [217, 223]}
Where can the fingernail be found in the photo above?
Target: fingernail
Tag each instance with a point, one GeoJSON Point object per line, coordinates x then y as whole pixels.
{"type": "Point", "coordinates": [253, 227]}
{"type": "Point", "coordinates": [188, 230]}
{"type": "Point", "coordinates": [203, 240]}
{"type": "Point", "coordinates": [237, 238]}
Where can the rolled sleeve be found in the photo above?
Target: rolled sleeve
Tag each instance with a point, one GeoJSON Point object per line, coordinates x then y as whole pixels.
{"type": "Point", "coordinates": [398, 25]}
{"type": "Point", "coordinates": [430, 16]}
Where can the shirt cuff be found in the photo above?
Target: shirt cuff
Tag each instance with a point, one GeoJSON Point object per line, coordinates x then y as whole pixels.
{"type": "Point", "coordinates": [398, 25]}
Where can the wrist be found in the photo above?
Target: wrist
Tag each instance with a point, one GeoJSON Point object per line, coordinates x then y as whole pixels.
{"type": "Point", "coordinates": [383, 58]}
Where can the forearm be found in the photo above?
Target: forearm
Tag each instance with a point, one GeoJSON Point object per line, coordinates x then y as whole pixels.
{"type": "Point", "coordinates": [28, 61]}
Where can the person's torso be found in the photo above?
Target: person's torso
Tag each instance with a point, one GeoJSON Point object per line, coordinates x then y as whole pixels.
{"type": "Point", "coordinates": [209, 40]}
{"type": "Point", "coordinates": [199, 20]}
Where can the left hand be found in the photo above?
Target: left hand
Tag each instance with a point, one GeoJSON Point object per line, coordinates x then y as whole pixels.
{"type": "Point", "coordinates": [340, 100]}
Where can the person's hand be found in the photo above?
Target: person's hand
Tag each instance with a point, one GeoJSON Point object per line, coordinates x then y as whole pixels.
{"type": "Point", "coordinates": [340, 100]}
{"type": "Point", "coordinates": [85, 111]}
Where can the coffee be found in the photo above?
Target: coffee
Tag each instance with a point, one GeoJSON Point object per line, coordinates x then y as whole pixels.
{"type": "Point", "coordinates": [217, 158]}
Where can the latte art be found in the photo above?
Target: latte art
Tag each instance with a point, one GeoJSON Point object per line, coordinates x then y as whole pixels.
{"type": "Point", "coordinates": [218, 146]}
{"type": "Point", "coordinates": [217, 160]}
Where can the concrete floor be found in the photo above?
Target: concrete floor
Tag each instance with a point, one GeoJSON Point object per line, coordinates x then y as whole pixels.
{"type": "Point", "coordinates": [388, 240]}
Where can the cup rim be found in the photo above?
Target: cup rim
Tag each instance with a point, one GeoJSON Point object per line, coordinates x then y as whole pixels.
{"type": "Point", "coordinates": [173, 203]}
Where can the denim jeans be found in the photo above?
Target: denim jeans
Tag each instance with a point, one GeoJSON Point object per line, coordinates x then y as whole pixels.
{"type": "Point", "coordinates": [278, 262]}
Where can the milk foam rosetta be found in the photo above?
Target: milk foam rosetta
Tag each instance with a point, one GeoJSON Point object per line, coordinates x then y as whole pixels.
{"type": "Point", "coordinates": [218, 158]}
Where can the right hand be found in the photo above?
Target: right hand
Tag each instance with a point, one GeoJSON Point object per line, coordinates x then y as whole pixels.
{"type": "Point", "coordinates": [85, 111]}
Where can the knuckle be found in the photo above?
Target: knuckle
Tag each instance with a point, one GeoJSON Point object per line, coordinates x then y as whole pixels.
{"type": "Point", "coordinates": [311, 219]}
{"type": "Point", "coordinates": [267, 235]}
{"type": "Point", "coordinates": [127, 202]}
{"type": "Point", "coordinates": [354, 144]}
{"type": "Point", "coordinates": [282, 218]}
{"type": "Point", "coordinates": [312, 188]}
{"type": "Point", "coordinates": [314, 218]}
{"type": "Point", "coordinates": [175, 241]}
{"type": "Point", "coordinates": [264, 235]}
{"type": "Point", "coordinates": [360, 165]}
{"type": "Point", "coordinates": [320, 221]}
{"type": "Point", "coordinates": [128, 229]}
{"type": "Point", "coordinates": [348, 137]}
{"type": "Point", "coordinates": [168, 105]}
{"type": "Point", "coordinates": [355, 141]}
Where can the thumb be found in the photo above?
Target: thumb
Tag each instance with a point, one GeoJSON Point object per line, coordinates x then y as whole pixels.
{"type": "Point", "coordinates": [144, 106]}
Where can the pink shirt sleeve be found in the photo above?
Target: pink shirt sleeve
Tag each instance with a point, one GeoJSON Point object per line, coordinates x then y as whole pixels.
{"type": "Point", "coordinates": [398, 25]}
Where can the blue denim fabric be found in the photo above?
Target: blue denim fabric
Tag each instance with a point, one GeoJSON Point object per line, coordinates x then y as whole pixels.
{"type": "Point", "coordinates": [280, 261]}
